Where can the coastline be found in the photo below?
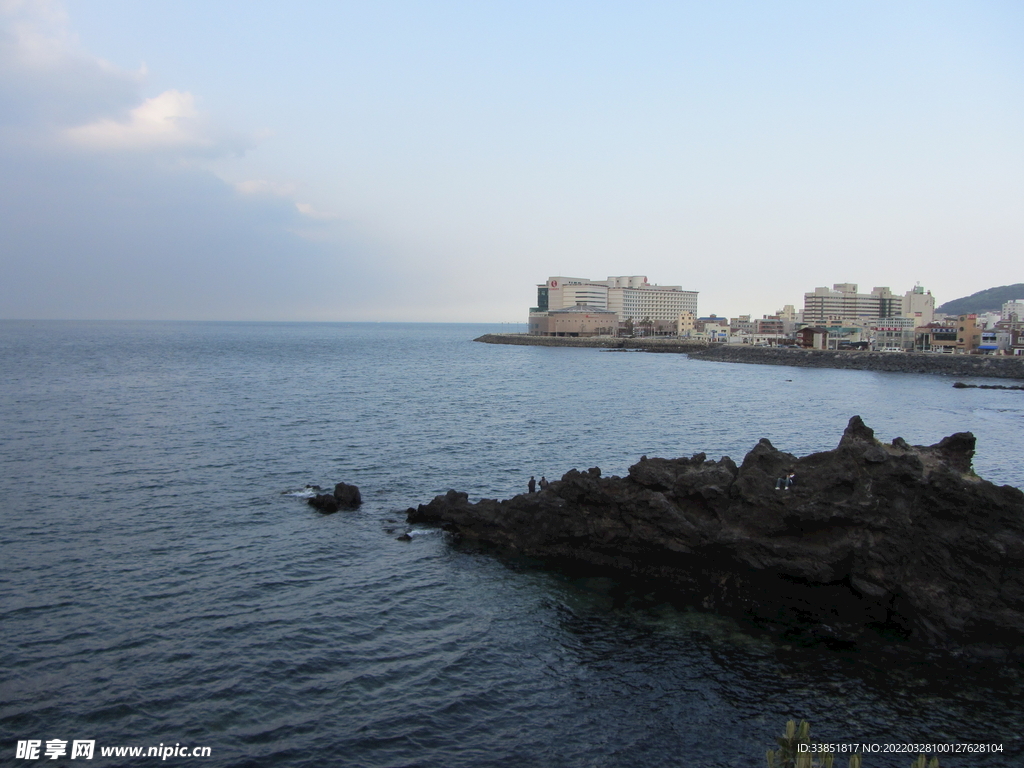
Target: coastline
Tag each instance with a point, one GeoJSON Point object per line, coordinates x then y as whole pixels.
{"type": "Point", "coordinates": [893, 362]}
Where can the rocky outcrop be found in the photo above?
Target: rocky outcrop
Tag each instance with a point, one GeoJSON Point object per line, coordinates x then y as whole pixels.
{"type": "Point", "coordinates": [870, 538]}
{"type": "Point", "coordinates": [345, 496]}
{"type": "Point", "coordinates": [961, 385]}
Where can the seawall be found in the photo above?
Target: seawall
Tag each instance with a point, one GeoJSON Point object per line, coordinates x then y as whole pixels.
{"type": "Point", "coordinates": [600, 342]}
{"type": "Point", "coordinates": [895, 362]}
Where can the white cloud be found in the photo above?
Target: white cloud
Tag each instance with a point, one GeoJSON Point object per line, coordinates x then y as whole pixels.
{"type": "Point", "coordinates": [72, 98]}
{"type": "Point", "coordinates": [167, 121]}
{"type": "Point", "coordinates": [110, 205]}
{"type": "Point", "coordinates": [308, 210]}
{"type": "Point", "coordinates": [48, 81]}
{"type": "Point", "coordinates": [38, 30]}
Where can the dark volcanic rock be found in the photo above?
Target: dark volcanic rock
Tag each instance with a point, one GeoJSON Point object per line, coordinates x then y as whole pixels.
{"type": "Point", "coordinates": [345, 496]}
{"type": "Point", "coordinates": [324, 503]}
{"type": "Point", "coordinates": [899, 538]}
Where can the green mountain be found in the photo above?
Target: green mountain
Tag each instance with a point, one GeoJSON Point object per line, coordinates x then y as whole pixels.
{"type": "Point", "coordinates": [990, 300]}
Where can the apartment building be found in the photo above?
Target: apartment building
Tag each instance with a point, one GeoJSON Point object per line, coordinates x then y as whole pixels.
{"type": "Point", "coordinates": [843, 302]}
{"type": "Point", "coordinates": [1013, 311]}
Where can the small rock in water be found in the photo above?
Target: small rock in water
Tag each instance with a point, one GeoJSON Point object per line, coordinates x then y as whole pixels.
{"type": "Point", "coordinates": [345, 496]}
{"type": "Point", "coordinates": [324, 502]}
{"type": "Point", "coordinates": [348, 496]}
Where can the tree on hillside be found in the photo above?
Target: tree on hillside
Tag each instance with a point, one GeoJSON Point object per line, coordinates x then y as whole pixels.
{"type": "Point", "coordinates": [989, 300]}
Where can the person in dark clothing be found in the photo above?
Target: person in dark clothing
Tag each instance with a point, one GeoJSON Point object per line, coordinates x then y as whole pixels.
{"type": "Point", "coordinates": [532, 485]}
{"type": "Point", "coordinates": [785, 483]}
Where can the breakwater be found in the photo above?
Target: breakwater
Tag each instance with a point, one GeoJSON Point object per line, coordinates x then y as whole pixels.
{"type": "Point", "coordinates": [947, 365]}
{"type": "Point", "coordinates": [600, 342]}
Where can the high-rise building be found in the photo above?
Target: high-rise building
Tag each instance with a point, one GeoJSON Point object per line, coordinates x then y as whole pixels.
{"type": "Point", "coordinates": [844, 303]}
{"type": "Point", "coordinates": [918, 304]}
{"type": "Point", "coordinates": [561, 292]}
{"type": "Point", "coordinates": [630, 297]}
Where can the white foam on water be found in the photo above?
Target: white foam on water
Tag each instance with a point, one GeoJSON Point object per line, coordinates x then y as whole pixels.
{"type": "Point", "coordinates": [306, 493]}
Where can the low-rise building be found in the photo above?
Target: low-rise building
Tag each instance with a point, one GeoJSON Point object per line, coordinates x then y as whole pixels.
{"type": "Point", "coordinates": [581, 320]}
{"type": "Point", "coordinates": [968, 334]}
{"type": "Point", "coordinates": [894, 334]}
{"type": "Point", "coordinates": [741, 324]}
{"type": "Point", "coordinates": [685, 324]}
{"type": "Point", "coordinates": [989, 342]}
{"type": "Point", "coordinates": [1016, 345]}
{"type": "Point", "coordinates": [812, 337]}
{"type": "Point", "coordinates": [961, 336]}
{"type": "Point", "coordinates": [703, 322]}
{"type": "Point", "coordinates": [937, 336]}
{"type": "Point", "coordinates": [712, 334]}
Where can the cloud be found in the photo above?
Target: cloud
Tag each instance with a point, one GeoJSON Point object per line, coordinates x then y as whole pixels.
{"type": "Point", "coordinates": [47, 80]}
{"type": "Point", "coordinates": [308, 210]}
{"type": "Point", "coordinates": [66, 95]}
{"type": "Point", "coordinates": [167, 121]}
{"type": "Point", "coordinates": [106, 210]}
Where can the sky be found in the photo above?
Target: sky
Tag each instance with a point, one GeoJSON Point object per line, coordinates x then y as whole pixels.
{"type": "Point", "coordinates": [435, 161]}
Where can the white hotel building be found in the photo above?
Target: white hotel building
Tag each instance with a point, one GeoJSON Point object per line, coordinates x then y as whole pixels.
{"type": "Point", "coordinates": [630, 297]}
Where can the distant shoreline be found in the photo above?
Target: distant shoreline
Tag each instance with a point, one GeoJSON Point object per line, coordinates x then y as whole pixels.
{"type": "Point", "coordinates": [893, 362]}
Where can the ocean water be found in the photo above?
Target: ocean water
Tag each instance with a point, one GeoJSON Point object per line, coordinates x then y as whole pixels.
{"type": "Point", "coordinates": [164, 583]}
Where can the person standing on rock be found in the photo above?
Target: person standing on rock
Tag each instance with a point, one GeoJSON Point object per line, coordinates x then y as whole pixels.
{"type": "Point", "coordinates": [532, 485]}
{"type": "Point", "coordinates": [543, 483]}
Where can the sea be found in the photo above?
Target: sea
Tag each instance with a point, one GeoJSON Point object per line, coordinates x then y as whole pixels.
{"type": "Point", "coordinates": [164, 584]}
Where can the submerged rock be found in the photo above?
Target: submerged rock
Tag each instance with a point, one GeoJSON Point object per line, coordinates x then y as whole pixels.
{"type": "Point", "coordinates": [903, 539]}
{"type": "Point", "coordinates": [345, 496]}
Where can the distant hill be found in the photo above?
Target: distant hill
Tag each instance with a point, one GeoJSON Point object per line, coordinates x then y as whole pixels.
{"type": "Point", "coordinates": [990, 300]}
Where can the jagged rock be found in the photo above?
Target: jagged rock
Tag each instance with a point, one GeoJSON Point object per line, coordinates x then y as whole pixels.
{"type": "Point", "coordinates": [891, 536]}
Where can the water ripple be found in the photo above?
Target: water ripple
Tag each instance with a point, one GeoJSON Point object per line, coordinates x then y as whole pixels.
{"type": "Point", "coordinates": [161, 585]}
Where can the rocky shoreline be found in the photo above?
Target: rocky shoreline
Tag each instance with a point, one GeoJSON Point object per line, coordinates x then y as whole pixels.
{"type": "Point", "coordinates": [870, 541]}
{"type": "Point", "coordinates": [948, 365]}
